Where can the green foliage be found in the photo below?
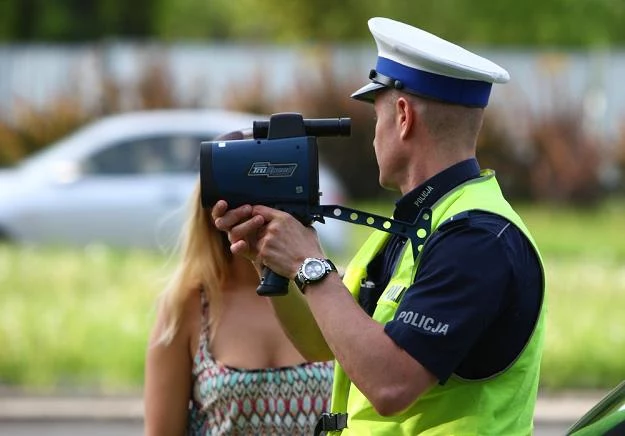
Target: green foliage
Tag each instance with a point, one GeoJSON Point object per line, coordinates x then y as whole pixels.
{"type": "Point", "coordinates": [583, 331]}
{"type": "Point", "coordinates": [573, 23]}
{"type": "Point", "coordinates": [552, 22]}
{"type": "Point", "coordinates": [74, 318]}
{"type": "Point", "coordinates": [81, 320]}
{"type": "Point", "coordinates": [193, 19]}
{"type": "Point", "coordinates": [75, 20]}
{"type": "Point", "coordinates": [572, 233]}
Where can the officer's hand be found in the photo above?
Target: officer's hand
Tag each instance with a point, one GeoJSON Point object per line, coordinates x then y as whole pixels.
{"type": "Point", "coordinates": [283, 242]}
{"type": "Point", "coordinates": [241, 226]}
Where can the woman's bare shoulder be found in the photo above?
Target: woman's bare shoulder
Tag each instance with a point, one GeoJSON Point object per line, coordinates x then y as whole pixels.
{"type": "Point", "coordinates": [187, 311]}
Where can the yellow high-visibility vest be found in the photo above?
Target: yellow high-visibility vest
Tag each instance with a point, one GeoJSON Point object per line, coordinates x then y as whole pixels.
{"type": "Point", "coordinates": [500, 405]}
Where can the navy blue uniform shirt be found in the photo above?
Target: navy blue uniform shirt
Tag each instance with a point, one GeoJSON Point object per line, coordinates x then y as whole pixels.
{"type": "Point", "coordinates": [477, 293]}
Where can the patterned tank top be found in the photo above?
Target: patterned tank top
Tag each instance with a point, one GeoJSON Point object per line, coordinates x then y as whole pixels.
{"type": "Point", "coordinates": [273, 401]}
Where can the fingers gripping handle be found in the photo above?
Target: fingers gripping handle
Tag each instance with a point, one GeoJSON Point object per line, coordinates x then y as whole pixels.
{"type": "Point", "coordinates": [272, 284]}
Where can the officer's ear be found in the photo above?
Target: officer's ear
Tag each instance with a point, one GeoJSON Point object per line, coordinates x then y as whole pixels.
{"type": "Point", "coordinates": [406, 116]}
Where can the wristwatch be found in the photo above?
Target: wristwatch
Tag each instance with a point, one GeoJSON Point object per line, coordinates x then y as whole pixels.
{"type": "Point", "coordinates": [313, 270]}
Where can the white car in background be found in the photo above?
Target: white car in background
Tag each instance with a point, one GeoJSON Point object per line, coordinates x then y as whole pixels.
{"type": "Point", "coordinates": [125, 181]}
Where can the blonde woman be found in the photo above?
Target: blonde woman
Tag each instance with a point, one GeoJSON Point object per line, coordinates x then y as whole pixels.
{"type": "Point", "coordinates": [218, 361]}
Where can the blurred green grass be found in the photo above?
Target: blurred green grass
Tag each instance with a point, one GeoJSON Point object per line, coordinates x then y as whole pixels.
{"type": "Point", "coordinates": [80, 318]}
{"type": "Point", "coordinates": [76, 317]}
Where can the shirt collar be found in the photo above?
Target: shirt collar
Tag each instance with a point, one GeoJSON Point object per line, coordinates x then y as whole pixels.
{"type": "Point", "coordinates": [429, 192]}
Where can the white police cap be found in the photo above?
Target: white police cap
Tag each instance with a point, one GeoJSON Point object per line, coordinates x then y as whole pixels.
{"type": "Point", "coordinates": [415, 61]}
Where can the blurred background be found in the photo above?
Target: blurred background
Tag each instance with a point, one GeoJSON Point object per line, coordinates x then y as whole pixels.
{"type": "Point", "coordinates": [103, 104]}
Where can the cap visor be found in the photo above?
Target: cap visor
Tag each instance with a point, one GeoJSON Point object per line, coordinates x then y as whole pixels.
{"type": "Point", "coordinates": [367, 92]}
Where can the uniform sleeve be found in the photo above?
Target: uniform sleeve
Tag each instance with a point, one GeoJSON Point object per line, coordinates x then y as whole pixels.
{"type": "Point", "coordinates": [459, 290]}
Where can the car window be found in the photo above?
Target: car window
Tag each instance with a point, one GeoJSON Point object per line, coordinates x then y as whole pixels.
{"type": "Point", "coordinates": [156, 155]}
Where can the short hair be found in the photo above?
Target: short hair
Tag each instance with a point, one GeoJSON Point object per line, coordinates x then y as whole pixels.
{"type": "Point", "coordinates": [445, 121]}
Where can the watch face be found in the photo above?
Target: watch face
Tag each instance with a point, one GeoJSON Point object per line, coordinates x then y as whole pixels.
{"type": "Point", "coordinates": [313, 269]}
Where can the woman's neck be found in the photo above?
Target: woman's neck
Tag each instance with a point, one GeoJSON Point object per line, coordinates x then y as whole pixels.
{"type": "Point", "coordinates": [242, 273]}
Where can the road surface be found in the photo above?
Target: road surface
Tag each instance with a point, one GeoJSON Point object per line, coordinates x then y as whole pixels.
{"type": "Point", "coordinates": [134, 428]}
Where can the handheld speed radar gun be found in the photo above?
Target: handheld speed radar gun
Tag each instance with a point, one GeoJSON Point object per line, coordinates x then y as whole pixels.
{"type": "Point", "coordinates": [278, 166]}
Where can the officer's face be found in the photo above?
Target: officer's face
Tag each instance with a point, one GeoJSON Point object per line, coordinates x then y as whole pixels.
{"type": "Point", "coordinates": [385, 140]}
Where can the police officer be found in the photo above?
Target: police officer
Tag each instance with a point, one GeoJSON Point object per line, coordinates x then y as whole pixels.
{"type": "Point", "coordinates": [440, 338]}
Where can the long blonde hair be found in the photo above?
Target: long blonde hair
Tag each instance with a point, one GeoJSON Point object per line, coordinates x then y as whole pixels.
{"type": "Point", "coordinates": [204, 264]}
